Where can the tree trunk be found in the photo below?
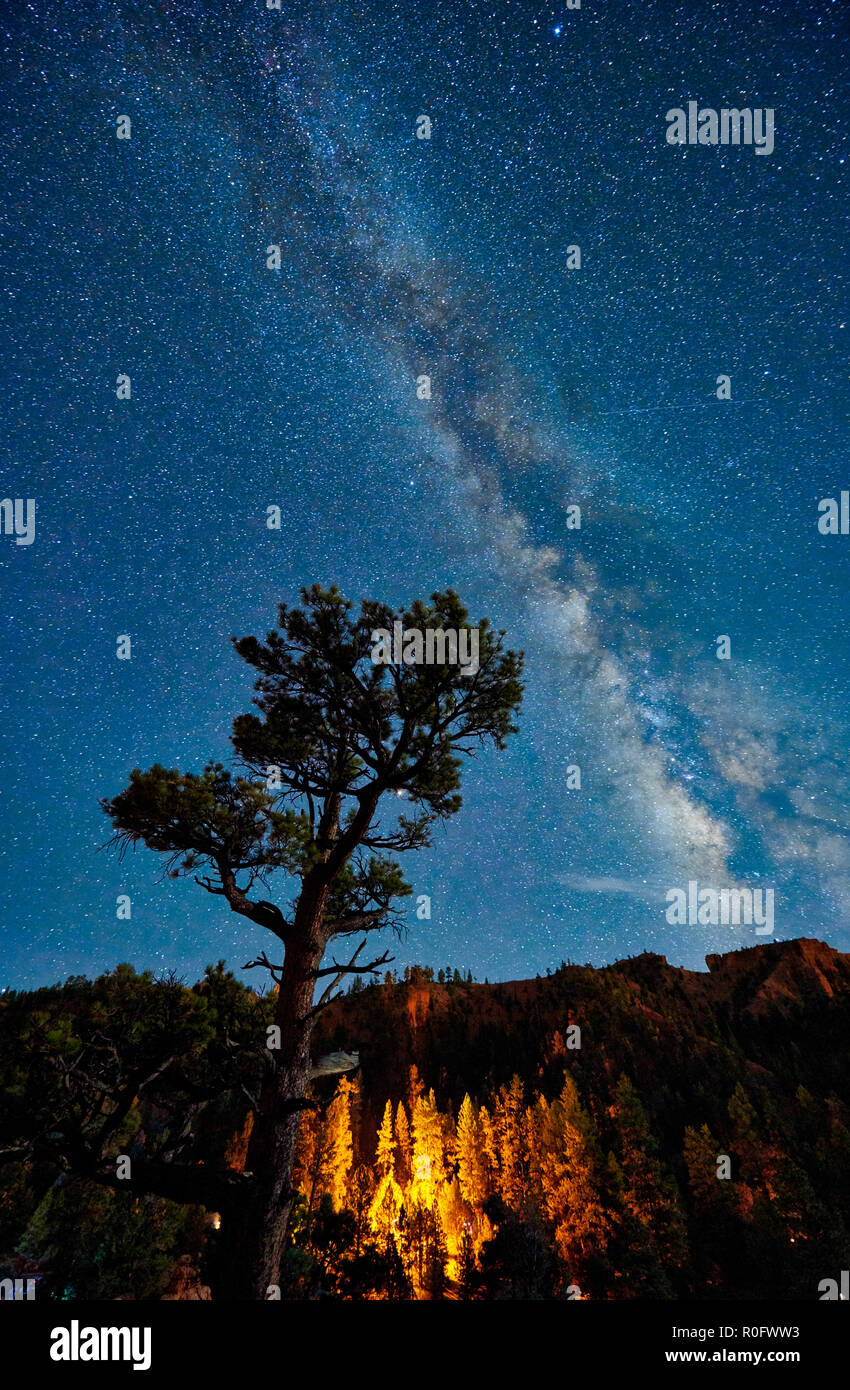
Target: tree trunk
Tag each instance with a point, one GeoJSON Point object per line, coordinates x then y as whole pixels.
{"type": "Point", "coordinates": [256, 1226]}
{"type": "Point", "coordinates": [254, 1229]}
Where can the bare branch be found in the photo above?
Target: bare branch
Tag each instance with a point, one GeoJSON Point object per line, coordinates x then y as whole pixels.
{"type": "Point", "coordinates": [265, 914]}
{"type": "Point", "coordinates": [352, 969]}
{"type": "Point", "coordinates": [263, 961]}
{"type": "Point", "coordinates": [339, 972]}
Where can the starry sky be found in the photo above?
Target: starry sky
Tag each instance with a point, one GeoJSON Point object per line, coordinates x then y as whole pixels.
{"type": "Point", "coordinates": [551, 387]}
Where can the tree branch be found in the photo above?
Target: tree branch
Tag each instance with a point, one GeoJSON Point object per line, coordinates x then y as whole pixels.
{"type": "Point", "coordinates": [276, 971]}
{"type": "Point", "coordinates": [190, 1184]}
{"type": "Point", "coordinates": [351, 968]}
{"type": "Point", "coordinates": [265, 914]}
{"type": "Point", "coordinates": [356, 921]}
{"type": "Point", "coordinates": [339, 972]}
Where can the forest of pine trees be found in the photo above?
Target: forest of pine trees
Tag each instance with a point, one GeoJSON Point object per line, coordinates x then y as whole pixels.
{"type": "Point", "coordinates": [514, 1197]}
{"type": "Point", "coordinates": [559, 1138]}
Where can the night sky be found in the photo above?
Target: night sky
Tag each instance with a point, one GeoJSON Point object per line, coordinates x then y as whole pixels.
{"type": "Point", "coordinates": [551, 387]}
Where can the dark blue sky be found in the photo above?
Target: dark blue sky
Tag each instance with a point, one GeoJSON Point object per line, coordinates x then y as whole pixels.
{"type": "Point", "coordinates": [551, 387]}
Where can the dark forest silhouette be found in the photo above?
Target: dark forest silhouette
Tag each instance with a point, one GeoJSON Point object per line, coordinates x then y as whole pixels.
{"type": "Point", "coordinates": [478, 1152]}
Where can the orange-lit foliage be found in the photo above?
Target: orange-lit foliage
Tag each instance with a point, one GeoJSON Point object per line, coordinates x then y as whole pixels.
{"type": "Point", "coordinates": [431, 1178]}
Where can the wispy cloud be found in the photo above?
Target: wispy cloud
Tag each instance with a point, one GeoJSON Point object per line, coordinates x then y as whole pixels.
{"type": "Point", "coordinates": [631, 888]}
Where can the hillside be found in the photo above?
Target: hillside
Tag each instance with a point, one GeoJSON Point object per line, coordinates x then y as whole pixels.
{"type": "Point", "coordinates": [780, 1010]}
{"type": "Point", "coordinates": [636, 1131]}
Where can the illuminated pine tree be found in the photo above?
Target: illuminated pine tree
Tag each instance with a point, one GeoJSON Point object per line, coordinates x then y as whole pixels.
{"type": "Point", "coordinates": [385, 1207]}
{"type": "Point", "coordinates": [534, 1129]}
{"type": "Point", "coordinates": [309, 1142]}
{"type": "Point", "coordinates": [403, 1149]}
{"type": "Point", "coordinates": [507, 1141]}
{"type": "Point", "coordinates": [571, 1179]}
{"type": "Point", "coordinates": [415, 1087]}
{"type": "Point", "coordinates": [488, 1142]}
{"type": "Point", "coordinates": [388, 1197]}
{"type": "Point", "coordinates": [312, 1169]}
{"type": "Point", "coordinates": [384, 1155]}
{"type": "Point", "coordinates": [339, 1149]}
{"type": "Point", "coordinates": [428, 1150]}
{"type": "Point", "coordinates": [471, 1171]}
